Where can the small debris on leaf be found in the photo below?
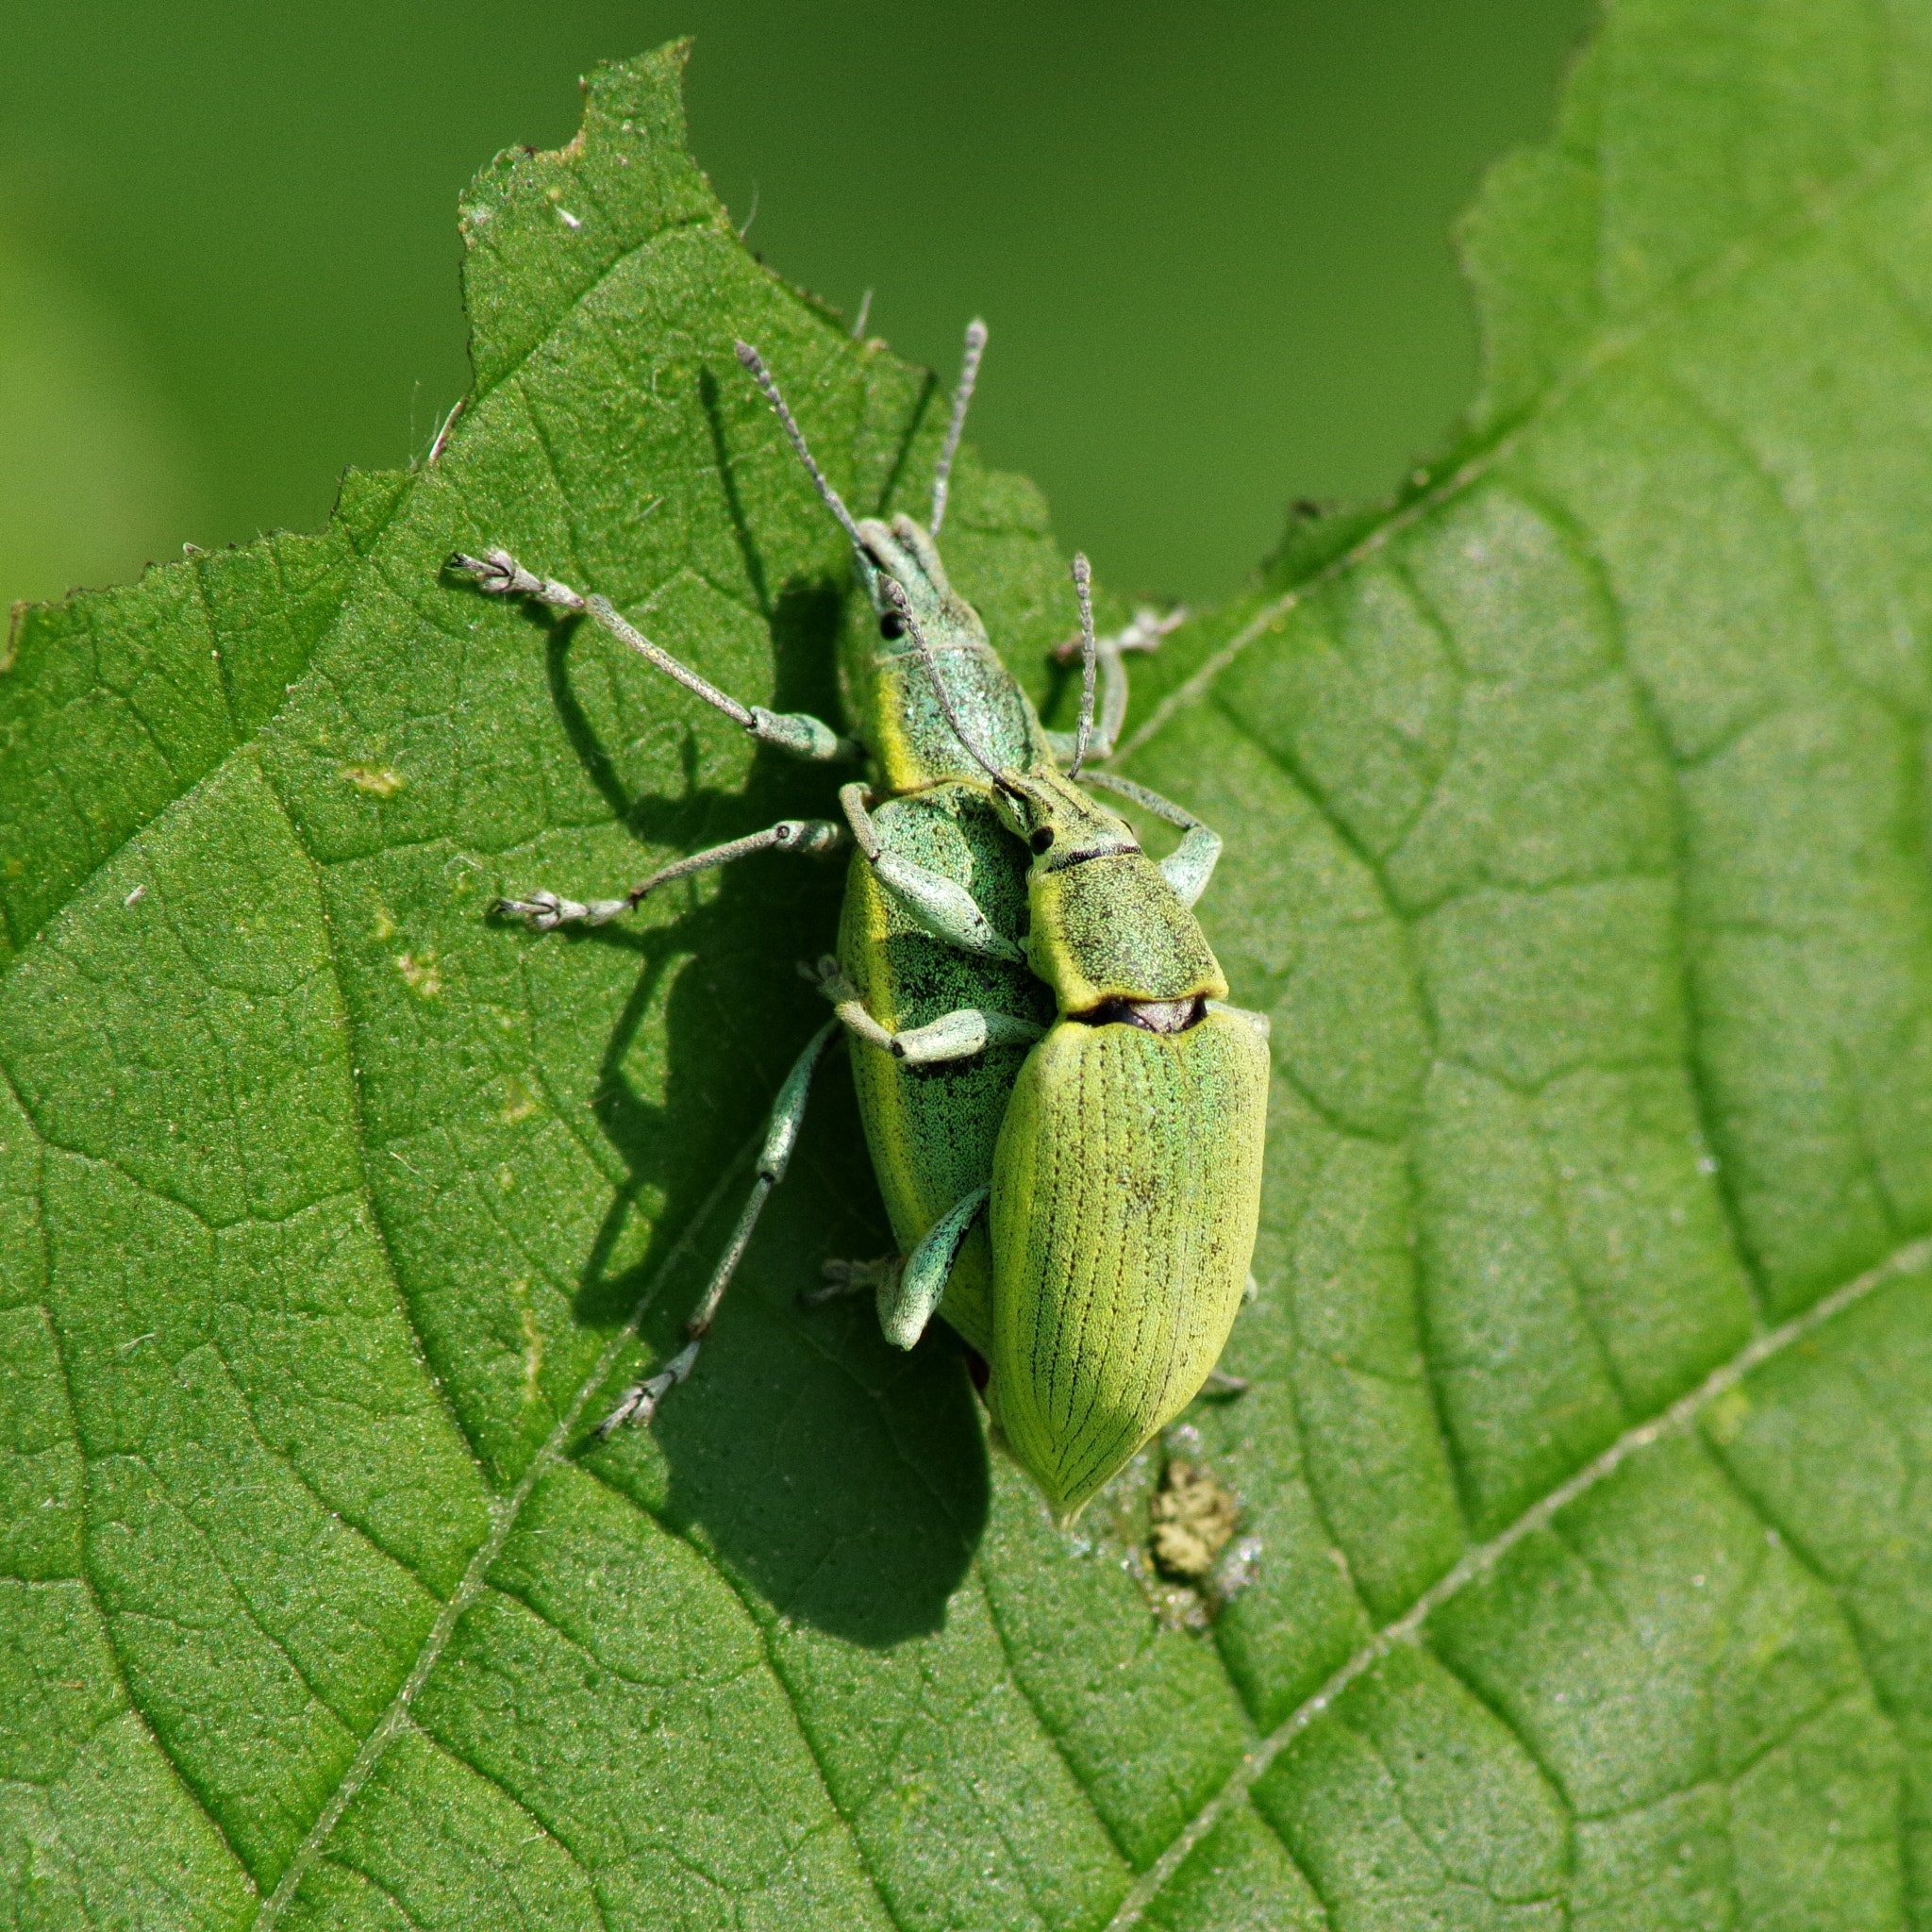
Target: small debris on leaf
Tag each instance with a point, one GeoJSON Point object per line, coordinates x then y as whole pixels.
{"type": "Point", "coordinates": [1193, 1518]}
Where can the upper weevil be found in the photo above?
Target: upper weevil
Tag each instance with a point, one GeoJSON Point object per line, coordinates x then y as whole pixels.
{"type": "Point", "coordinates": [1065, 1118]}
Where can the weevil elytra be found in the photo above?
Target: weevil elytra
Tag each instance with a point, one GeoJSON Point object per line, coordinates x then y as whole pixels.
{"type": "Point", "coordinates": [1065, 1116]}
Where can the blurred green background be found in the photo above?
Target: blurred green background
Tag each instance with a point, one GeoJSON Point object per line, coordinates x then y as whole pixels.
{"type": "Point", "coordinates": [1212, 241]}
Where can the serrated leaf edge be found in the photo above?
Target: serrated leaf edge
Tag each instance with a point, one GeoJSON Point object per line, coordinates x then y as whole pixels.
{"type": "Point", "coordinates": [1818, 211]}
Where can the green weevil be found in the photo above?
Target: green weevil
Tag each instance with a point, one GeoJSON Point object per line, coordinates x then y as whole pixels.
{"type": "Point", "coordinates": [1065, 1117]}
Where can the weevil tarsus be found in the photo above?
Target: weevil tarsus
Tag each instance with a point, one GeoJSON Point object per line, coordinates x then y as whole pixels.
{"type": "Point", "coordinates": [544, 910]}
{"type": "Point", "coordinates": [639, 1403]}
{"type": "Point", "coordinates": [850, 1277]}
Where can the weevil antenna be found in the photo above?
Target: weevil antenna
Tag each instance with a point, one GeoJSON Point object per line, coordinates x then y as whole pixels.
{"type": "Point", "coordinates": [962, 397]}
{"type": "Point", "coordinates": [755, 364]}
{"type": "Point", "coordinates": [895, 596]}
{"type": "Point", "coordinates": [1089, 658]}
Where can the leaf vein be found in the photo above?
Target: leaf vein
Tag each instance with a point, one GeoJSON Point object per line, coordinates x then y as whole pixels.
{"type": "Point", "coordinates": [84, 1503]}
{"type": "Point", "coordinates": [1609, 349]}
{"type": "Point", "coordinates": [1477, 1562]}
{"type": "Point", "coordinates": [504, 1514]}
{"type": "Point", "coordinates": [778, 1678]}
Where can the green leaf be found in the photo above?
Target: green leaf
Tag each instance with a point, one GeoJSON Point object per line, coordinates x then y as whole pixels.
{"type": "Point", "coordinates": [1578, 845]}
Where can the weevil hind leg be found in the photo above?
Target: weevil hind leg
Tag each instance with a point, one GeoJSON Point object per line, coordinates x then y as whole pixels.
{"type": "Point", "coordinates": [499, 574]}
{"type": "Point", "coordinates": [545, 910]}
{"type": "Point", "coordinates": [909, 1296]}
{"type": "Point", "coordinates": [639, 1403]}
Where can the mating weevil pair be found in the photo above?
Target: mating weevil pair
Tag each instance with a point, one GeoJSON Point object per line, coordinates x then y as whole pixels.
{"type": "Point", "coordinates": [1067, 1126]}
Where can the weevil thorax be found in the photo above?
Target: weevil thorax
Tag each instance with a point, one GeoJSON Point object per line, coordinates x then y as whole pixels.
{"type": "Point", "coordinates": [1108, 933]}
{"type": "Point", "coordinates": [889, 689]}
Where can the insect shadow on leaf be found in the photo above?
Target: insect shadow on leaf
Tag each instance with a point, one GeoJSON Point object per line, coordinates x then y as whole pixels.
{"type": "Point", "coordinates": [843, 1480]}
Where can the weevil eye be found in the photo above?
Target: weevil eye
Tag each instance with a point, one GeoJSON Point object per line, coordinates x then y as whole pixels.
{"type": "Point", "coordinates": [1040, 840]}
{"type": "Point", "coordinates": [891, 625]}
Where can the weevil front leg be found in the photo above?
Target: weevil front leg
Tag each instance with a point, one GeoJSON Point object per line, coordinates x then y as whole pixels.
{"type": "Point", "coordinates": [942, 906]}
{"type": "Point", "coordinates": [639, 1403]}
{"type": "Point", "coordinates": [1190, 864]}
{"type": "Point", "coordinates": [545, 910]}
{"type": "Point", "coordinates": [954, 1036]}
{"type": "Point", "coordinates": [499, 574]}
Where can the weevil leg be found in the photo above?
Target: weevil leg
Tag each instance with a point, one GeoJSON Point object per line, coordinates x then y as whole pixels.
{"type": "Point", "coordinates": [1190, 864]}
{"type": "Point", "coordinates": [909, 1295]}
{"type": "Point", "coordinates": [1220, 1382]}
{"type": "Point", "coordinates": [941, 906]}
{"type": "Point", "coordinates": [954, 1036]}
{"type": "Point", "coordinates": [1144, 634]}
{"type": "Point", "coordinates": [545, 910]}
{"type": "Point", "coordinates": [850, 1277]}
{"type": "Point", "coordinates": [639, 1403]}
{"type": "Point", "coordinates": [797, 732]}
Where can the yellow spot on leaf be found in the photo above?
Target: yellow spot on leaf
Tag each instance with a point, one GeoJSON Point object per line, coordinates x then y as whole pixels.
{"type": "Point", "coordinates": [424, 975]}
{"type": "Point", "coordinates": [533, 1342]}
{"type": "Point", "coordinates": [520, 1104]}
{"type": "Point", "coordinates": [1725, 1418]}
{"type": "Point", "coordinates": [381, 781]}
{"type": "Point", "coordinates": [533, 1354]}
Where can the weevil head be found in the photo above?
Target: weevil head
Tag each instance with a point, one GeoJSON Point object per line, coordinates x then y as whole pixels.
{"type": "Point", "coordinates": [1109, 934]}
{"type": "Point", "coordinates": [933, 700]}
{"type": "Point", "coordinates": [1058, 823]}
{"type": "Point", "coordinates": [902, 552]}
